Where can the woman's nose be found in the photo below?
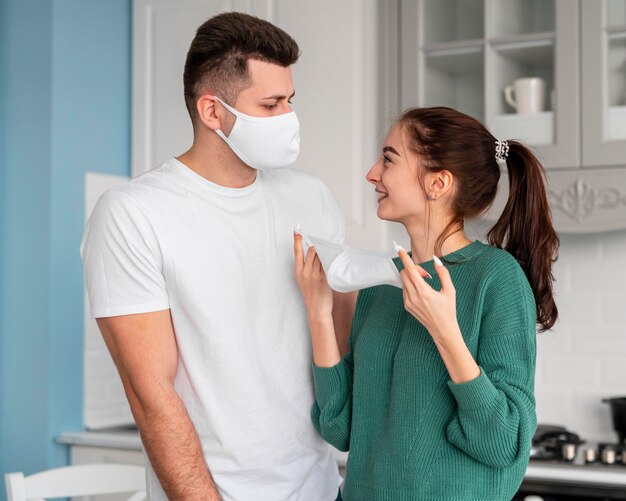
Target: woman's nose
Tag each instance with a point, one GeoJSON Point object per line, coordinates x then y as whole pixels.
{"type": "Point", "coordinates": [373, 175]}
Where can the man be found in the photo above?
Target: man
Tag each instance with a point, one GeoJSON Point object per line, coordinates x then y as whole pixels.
{"type": "Point", "coordinates": [190, 274]}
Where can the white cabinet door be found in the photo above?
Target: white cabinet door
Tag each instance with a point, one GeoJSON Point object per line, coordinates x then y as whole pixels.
{"type": "Point", "coordinates": [338, 90]}
{"type": "Point", "coordinates": [338, 100]}
{"type": "Point", "coordinates": [162, 33]}
{"type": "Point", "coordinates": [604, 83]}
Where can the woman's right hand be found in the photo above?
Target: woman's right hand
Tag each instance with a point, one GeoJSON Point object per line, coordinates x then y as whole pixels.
{"type": "Point", "coordinates": [318, 296]}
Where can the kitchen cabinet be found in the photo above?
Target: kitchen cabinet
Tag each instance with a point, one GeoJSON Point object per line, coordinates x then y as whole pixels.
{"type": "Point", "coordinates": [604, 82]}
{"type": "Point", "coordinates": [463, 54]}
{"type": "Point", "coordinates": [122, 445]}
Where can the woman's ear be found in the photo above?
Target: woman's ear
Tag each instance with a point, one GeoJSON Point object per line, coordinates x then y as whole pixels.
{"type": "Point", "coordinates": [439, 184]}
{"type": "Point", "coordinates": [207, 113]}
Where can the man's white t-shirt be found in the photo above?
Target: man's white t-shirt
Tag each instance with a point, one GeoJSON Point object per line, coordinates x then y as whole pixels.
{"type": "Point", "coordinates": [221, 259]}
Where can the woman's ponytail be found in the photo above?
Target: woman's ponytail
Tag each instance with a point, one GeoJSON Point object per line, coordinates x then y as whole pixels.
{"type": "Point", "coordinates": [447, 139]}
{"type": "Point", "coordinates": [525, 229]}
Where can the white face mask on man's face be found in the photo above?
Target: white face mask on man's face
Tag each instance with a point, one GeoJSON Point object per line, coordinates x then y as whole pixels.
{"type": "Point", "coordinates": [350, 269]}
{"type": "Point", "coordinates": [264, 142]}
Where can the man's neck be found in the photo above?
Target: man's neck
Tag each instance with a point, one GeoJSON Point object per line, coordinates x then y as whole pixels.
{"type": "Point", "coordinates": [214, 160]}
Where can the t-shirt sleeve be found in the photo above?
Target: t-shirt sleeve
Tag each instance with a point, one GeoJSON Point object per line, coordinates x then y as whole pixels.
{"type": "Point", "coordinates": [122, 259]}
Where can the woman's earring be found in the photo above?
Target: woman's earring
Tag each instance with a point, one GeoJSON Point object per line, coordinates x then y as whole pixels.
{"type": "Point", "coordinates": [431, 196]}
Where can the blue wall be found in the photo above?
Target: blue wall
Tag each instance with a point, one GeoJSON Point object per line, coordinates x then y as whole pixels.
{"type": "Point", "coordinates": [65, 81]}
{"type": "Point", "coordinates": [3, 50]}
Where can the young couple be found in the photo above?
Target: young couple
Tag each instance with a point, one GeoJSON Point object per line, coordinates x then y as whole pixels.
{"type": "Point", "coordinates": [190, 274]}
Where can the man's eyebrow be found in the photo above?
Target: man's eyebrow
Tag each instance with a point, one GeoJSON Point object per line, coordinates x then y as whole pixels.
{"type": "Point", "coordinates": [390, 149]}
{"type": "Point", "coordinates": [280, 96]}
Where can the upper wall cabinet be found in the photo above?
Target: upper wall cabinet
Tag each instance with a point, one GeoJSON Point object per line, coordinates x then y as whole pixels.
{"type": "Point", "coordinates": [551, 73]}
{"type": "Point", "coordinates": [604, 82]}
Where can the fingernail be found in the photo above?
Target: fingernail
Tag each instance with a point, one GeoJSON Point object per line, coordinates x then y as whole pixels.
{"type": "Point", "coordinates": [429, 275]}
{"type": "Point", "coordinates": [298, 228]}
{"type": "Point", "coordinates": [397, 247]}
{"type": "Point", "coordinates": [437, 261]}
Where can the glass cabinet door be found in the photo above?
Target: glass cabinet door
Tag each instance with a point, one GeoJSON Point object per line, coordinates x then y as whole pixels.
{"type": "Point", "coordinates": [533, 80]}
{"type": "Point", "coordinates": [513, 64]}
{"type": "Point", "coordinates": [604, 82]}
{"type": "Point", "coordinates": [452, 55]}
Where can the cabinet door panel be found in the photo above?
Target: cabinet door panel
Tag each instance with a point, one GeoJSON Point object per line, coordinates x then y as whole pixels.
{"type": "Point", "coordinates": [603, 86]}
{"type": "Point", "coordinates": [553, 56]}
{"type": "Point", "coordinates": [162, 33]}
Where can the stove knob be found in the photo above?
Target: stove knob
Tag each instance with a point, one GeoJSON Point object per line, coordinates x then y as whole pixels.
{"type": "Point", "coordinates": [568, 451]}
{"type": "Point", "coordinates": [608, 455]}
{"type": "Point", "coordinates": [590, 455]}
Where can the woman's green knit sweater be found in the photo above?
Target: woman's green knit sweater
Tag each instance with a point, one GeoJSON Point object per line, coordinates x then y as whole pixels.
{"type": "Point", "coordinates": [412, 433]}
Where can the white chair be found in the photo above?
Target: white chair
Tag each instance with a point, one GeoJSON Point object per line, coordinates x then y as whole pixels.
{"type": "Point", "coordinates": [78, 480]}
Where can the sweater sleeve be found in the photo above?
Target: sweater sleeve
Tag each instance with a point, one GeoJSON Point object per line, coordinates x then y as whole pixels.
{"type": "Point", "coordinates": [332, 409]}
{"type": "Point", "coordinates": [495, 417]}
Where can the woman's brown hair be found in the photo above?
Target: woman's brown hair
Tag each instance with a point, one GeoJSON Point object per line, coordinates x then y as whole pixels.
{"type": "Point", "coordinates": [446, 139]}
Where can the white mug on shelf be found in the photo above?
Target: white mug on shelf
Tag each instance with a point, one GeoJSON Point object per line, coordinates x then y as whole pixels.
{"type": "Point", "coordinates": [529, 95]}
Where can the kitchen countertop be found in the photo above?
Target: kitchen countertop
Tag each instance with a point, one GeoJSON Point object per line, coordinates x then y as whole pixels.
{"type": "Point", "coordinates": [128, 438]}
{"type": "Point", "coordinates": [596, 473]}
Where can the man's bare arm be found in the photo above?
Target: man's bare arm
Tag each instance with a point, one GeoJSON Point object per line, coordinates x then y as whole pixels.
{"type": "Point", "coordinates": [144, 350]}
{"type": "Point", "coordinates": [343, 311]}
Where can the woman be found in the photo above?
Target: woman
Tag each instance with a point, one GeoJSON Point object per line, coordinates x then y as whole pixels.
{"type": "Point", "coordinates": [435, 398]}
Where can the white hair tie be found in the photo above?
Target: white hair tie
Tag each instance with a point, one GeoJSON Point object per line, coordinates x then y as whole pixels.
{"type": "Point", "coordinates": [502, 150]}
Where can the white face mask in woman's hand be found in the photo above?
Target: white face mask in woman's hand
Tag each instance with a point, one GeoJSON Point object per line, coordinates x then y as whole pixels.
{"type": "Point", "coordinates": [264, 142]}
{"type": "Point", "coordinates": [349, 269]}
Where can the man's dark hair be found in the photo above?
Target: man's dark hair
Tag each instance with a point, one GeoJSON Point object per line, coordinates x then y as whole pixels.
{"type": "Point", "coordinates": [217, 60]}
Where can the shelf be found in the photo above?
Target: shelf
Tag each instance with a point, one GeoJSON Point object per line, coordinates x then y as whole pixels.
{"type": "Point", "coordinates": [616, 32]}
{"type": "Point", "coordinates": [457, 62]}
{"type": "Point", "coordinates": [535, 53]}
{"type": "Point", "coordinates": [617, 123]}
{"type": "Point", "coordinates": [514, 61]}
{"type": "Point", "coordinates": [514, 17]}
{"type": "Point", "coordinates": [453, 20]}
{"type": "Point", "coordinates": [535, 129]}
{"type": "Point", "coordinates": [463, 47]}
{"type": "Point", "coordinates": [455, 80]}
{"type": "Point", "coordinates": [543, 39]}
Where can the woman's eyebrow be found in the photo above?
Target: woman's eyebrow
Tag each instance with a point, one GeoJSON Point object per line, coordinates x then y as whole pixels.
{"type": "Point", "coordinates": [390, 149]}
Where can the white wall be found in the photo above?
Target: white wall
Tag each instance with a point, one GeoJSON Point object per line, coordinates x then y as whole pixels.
{"type": "Point", "coordinates": [584, 358]}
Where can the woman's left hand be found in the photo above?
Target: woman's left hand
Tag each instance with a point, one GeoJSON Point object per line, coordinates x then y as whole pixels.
{"type": "Point", "coordinates": [435, 310]}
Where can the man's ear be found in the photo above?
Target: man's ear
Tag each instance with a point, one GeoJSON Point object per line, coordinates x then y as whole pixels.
{"type": "Point", "coordinates": [207, 113]}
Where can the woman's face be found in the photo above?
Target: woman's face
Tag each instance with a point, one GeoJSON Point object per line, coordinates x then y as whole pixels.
{"type": "Point", "coordinates": [396, 178]}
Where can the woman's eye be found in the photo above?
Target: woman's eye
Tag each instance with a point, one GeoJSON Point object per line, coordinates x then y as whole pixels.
{"type": "Point", "coordinates": [271, 106]}
{"type": "Point", "coordinates": [386, 159]}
